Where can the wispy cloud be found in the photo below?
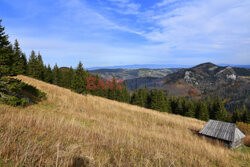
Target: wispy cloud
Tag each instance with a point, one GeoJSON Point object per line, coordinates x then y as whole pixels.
{"type": "Point", "coordinates": [125, 6]}
{"type": "Point", "coordinates": [116, 32]}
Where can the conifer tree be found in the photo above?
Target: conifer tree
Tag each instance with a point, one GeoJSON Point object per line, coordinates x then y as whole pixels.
{"type": "Point", "coordinates": [69, 75]}
{"type": "Point", "coordinates": [202, 111]}
{"type": "Point", "coordinates": [157, 100]}
{"type": "Point", "coordinates": [23, 61]}
{"type": "Point", "coordinates": [79, 82]}
{"type": "Point", "coordinates": [33, 65]}
{"type": "Point", "coordinates": [236, 117]}
{"type": "Point", "coordinates": [189, 109]}
{"type": "Point", "coordinates": [125, 94]}
{"type": "Point", "coordinates": [245, 115]}
{"type": "Point", "coordinates": [16, 59]}
{"type": "Point", "coordinates": [40, 67]}
{"type": "Point", "coordinates": [179, 108]}
{"type": "Point", "coordinates": [57, 76]}
{"type": "Point", "coordinates": [6, 53]}
{"type": "Point", "coordinates": [48, 75]}
{"type": "Point", "coordinates": [220, 111]}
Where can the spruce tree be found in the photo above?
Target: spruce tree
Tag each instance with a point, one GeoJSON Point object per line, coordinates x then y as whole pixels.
{"type": "Point", "coordinates": [33, 65]}
{"type": "Point", "coordinates": [202, 111]}
{"type": "Point", "coordinates": [23, 62]}
{"type": "Point", "coordinates": [220, 111]}
{"type": "Point", "coordinates": [236, 117]}
{"type": "Point", "coordinates": [18, 60]}
{"type": "Point", "coordinates": [245, 114]}
{"type": "Point", "coordinates": [179, 107]}
{"type": "Point", "coordinates": [57, 76]}
{"type": "Point", "coordinates": [157, 100]}
{"type": "Point", "coordinates": [79, 82]}
{"type": "Point", "coordinates": [48, 75]}
{"type": "Point", "coordinates": [40, 67]}
{"type": "Point", "coordinates": [6, 53]}
{"type": "Point", "coordinates": [189, 109]}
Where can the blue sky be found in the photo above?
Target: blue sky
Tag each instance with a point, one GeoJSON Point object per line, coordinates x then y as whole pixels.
{"type": "Point", "coordinates": [123, 32]}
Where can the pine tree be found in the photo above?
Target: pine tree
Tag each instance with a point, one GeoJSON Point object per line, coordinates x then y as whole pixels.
{"type": "Point", "coordinates": [179, 108]}
{"type": "Point", "coordinates": [236, 117]}
{"type": "Point", "coordinates": [17, 61]}
{"type": "Point", "coordinates": [6, 53]}
{"type": "Point", "coordinates": [79, 82]}
{"type": "Point", "coordinates": [125, 94]}
{"type": "Point", "coordinates": [220, 111]}
{"type": "Point", "coordinates": [202, 111]}
{"type": "Point", "coordinates": [168, 104]}
{"type": "Point", "coordinates": [48, 75]}
{"type": "Point", "coordinates": [57, 76]}
{"type": "Point", "coordinates": [245, 115]}
{"type": "Point", "coordinates": [23, 61]}
{"type": "Point", "coordinates": [189, 109]}
{"type": "Point", "coordinates": [40, 67]}
{"type": "Point", "coordinates": [33, 65]}
{"type": "Point", "coordinates": [157, 101]}
{"type": "Point", "coordinates": [69, 75]}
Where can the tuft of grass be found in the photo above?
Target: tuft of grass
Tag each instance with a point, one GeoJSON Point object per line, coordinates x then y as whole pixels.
{"type": "Point", "coordinates": [69, 129]}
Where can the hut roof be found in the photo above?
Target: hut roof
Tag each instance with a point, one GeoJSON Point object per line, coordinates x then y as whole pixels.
{"type": "Point", "coordinates": [222, 130]}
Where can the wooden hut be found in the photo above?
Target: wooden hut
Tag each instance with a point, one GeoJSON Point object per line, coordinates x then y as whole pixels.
{"type": "Point", "coordinates": [226, 132]}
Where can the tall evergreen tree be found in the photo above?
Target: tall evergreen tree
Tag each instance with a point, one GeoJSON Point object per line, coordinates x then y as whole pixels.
{"type": "Point", "coordinates": [33, 65]}
{"type": "Point", "coordinates": [202, 111]}
{"type": "Point", "coordinates": [220, 111]}
{"type": "Point", "coordinates": [157, 100]}
{"type": "Point", "coordinates": [179, 107]}
{"type": "Point", "coordinates": [189, 109]}
{"type": "Point", "coordinates": [57, 76]}
{"type": "Point", "coordinates": [48, 75]}
{"type": "Point", "coordinates": [6, 53]}
{"type": "Point", "coordinates": [79, 82]}
{"type": "Point", "coordinates": [236, 117]}
{"type": "Point", "coordinates": [19, 61]}
{"type": "Point", "coordinates": [40, 67]}
{"type": "Point", "coordinates": [23, 60]}
{"type": "Point", "coordinates": [245, 115]}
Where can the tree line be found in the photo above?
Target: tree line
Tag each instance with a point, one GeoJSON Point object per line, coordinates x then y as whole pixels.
{"type": "Point", "coordinates": [14, 62]}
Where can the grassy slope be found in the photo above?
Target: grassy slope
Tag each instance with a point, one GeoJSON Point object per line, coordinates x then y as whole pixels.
{"type": "Point", "coordinates": [69, 127]}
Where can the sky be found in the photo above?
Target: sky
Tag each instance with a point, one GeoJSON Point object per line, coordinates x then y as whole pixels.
{"type": "Point", "coordinates": [125, 32]}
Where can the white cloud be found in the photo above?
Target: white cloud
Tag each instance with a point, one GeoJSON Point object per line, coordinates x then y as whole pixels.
{"type": "Point", "coordinates": [165, 2]}
{"type": "Point", "coordinates": [126, 7]}
{"type": "Point", "coordinates": [204, 25]}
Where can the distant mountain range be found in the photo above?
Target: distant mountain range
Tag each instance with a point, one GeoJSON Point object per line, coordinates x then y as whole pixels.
{"type": "Point", "coordinates": [133, 73]}
{"type": "Point", "coordinates": [158, 66]}
{"type": "Point", "coordinates": [231, 83]}
{"type": "Point", "coordinates": [201, 81]}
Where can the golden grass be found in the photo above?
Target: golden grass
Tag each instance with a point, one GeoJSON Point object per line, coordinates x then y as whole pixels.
{"type": "Point", "coordinates": [69, 128]}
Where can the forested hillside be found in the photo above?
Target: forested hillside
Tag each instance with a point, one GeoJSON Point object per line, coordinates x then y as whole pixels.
{"type": "Point", "coordinates": [13, 62]}
{"type": "Point", "coordinates": [69, 129]}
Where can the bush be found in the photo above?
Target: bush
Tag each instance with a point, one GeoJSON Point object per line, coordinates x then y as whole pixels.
{"type": "Point", "coordinates": [24, 102]}
{"type": "Point", "coordinates": [246, 141]}
{"type": "Point", "coordinates": [15, 93]}
{"type": "Point", "coordinates": [245, 128]}
{"type": "Point", "coordinates": [12, 100]}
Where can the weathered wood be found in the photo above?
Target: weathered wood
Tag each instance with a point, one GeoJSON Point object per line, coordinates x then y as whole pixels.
{"type": "Point", "coordinates": [227, 132]}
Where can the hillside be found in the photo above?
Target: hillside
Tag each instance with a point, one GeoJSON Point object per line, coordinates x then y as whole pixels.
{"type": "Point", "coordinates": [205, 80]}
{"type": "Point", "coordinates": [69, 128]}
{"type": "Point", "coordinates": [133, 73]}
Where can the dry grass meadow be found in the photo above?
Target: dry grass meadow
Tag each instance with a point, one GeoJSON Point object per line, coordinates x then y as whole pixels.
{"type": "Point", "coordinates": [69, 129]}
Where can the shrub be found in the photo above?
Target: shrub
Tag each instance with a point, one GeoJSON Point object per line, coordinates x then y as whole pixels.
{"type": "Point", "coordinates": [17, 93]}
{"type": "Point", "coordinates": [24, 102]}
{"type": "Point", "coordinates": [12, 100]}
{"type": "Point", "coordinates": [245, 128]}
